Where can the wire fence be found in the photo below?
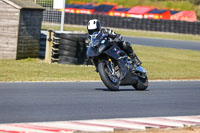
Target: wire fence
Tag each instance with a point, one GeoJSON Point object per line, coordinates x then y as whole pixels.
{"type": "Point", "coordinates": [51, 16]}
{"type": "Point", "coordinates": [52, 20]}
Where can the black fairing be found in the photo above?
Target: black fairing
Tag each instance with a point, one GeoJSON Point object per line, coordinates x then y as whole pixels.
{"type": "Point", "coordinates": [113, 52]}
{"type": "Point", "coordinates": [98, 41]}
{"type": "Point", "coordinates": [92, 52]}
{"type": "Point", "coordinates": [126, 78]}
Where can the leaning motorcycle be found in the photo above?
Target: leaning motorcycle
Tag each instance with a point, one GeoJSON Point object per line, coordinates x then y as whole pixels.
{"type": "Point", "coordinates": [113, 64]}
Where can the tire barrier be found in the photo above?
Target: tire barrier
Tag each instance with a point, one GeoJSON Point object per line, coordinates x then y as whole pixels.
{"type": "Point", "coordinates": [135, 23]}
{"type": "Point", "coordinates": [43, 39]}
{"type": "Point", "coordinates": [131, 23]}
{"type": "Point", "coordinates": [72, 49]}
{"type": "Point", "coordinates": [55, 48]}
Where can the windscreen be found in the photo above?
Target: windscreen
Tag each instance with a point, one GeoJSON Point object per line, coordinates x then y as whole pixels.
{"type": "Point", "coordinates": [95, 38]}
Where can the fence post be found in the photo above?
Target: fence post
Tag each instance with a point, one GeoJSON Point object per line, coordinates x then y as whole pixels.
{"type": "Point", "coordinates": [63, 16]}
{"type": "Point", "coordinates": [49, 44]}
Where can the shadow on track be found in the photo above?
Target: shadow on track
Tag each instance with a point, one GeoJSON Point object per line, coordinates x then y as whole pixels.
{"type": "Point", "coordinates": [105, 89]}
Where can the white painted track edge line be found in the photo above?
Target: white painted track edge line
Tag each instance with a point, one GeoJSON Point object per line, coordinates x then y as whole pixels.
{"type": "Point", "coordinates": [97, 81]}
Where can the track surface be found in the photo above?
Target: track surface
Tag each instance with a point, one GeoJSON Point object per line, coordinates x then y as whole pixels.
{"type": "Point", "coordinates": [59, 101]}
{"type": "Point", "coordinates": [178, 44]}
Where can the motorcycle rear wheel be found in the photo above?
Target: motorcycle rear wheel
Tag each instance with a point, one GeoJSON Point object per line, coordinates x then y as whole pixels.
{"type": "Point", "coordinates": [105, 78]}
{"type": "Point", "coordinates": [142, 84]}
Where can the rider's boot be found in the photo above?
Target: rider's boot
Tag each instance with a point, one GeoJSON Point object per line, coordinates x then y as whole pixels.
{"type": "Point", "coordinates": [135, 59]}
{"type": "Point", "coordinates": [126, 46]}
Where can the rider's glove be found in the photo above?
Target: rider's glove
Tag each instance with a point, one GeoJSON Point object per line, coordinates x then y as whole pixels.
{"type": "Point", "coordinates": [117, 40]}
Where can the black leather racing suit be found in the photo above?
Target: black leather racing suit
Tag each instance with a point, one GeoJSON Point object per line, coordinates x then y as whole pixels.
{"type": "Point", "coordinates": [126, 46]}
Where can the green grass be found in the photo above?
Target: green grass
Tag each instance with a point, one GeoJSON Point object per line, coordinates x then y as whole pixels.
{"type": "Point", "coordinates": [127, 32]}
{"type": "Point", "coordinates": [161, 63]}
{"type": "Point", "coordinates": [38, 70]}
{"type": "Point", "coordinates": [168, 63]}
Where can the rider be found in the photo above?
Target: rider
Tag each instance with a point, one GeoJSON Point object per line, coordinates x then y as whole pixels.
{"type": "Point", "coordinates": [95, 26]}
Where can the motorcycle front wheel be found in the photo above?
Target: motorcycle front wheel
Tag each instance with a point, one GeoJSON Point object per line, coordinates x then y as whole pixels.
{"type": "Point", "coordinates": [110, 81]}
{"type": "Point", "coordinates": [142, 84]}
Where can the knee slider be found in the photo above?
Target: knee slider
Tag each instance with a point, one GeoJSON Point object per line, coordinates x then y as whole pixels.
{"type": "Point", "coordinates": [127, 47]}
{"type": "Point", "coordinates": [126, 44]}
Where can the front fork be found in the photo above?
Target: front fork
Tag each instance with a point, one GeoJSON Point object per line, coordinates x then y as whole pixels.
{"type": "Point", "coordinates": [110, 66]}
{"type": "Point", "coordinates": [140, 71]}
{"type": "Point", "coordinates": [112, 73]}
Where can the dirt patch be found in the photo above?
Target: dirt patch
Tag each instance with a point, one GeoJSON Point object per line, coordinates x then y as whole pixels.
{"type": "Point", "coordinates": [177, 130]}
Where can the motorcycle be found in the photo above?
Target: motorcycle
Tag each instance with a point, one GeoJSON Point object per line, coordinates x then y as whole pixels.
{"type": "Point", "coordinates": [113, 64]}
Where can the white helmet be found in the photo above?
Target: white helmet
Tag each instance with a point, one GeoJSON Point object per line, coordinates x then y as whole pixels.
{"type": "Point", "coordinates": [93, 26]}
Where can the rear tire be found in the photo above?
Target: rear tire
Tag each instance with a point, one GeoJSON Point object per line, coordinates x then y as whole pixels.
{"type": "Point", "coordinates": [106, 80]}
{"type": "Point", "coordinates": [142, 84]}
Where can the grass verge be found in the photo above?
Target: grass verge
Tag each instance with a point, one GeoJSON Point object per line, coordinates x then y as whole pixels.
{"type": "Point", "coordinates": [128, 32]}
{"type": "Point", "coordinates": [161, 63]}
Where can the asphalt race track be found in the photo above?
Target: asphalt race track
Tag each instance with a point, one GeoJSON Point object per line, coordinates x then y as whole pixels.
{"type": "Point", "coordinates": [178, 44]}
{"type": "Point", "coordinates": [62, 101]}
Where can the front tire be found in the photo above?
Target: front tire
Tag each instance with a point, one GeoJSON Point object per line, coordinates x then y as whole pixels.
{"type": "Point", "coordinates": [142, 84]}
{"type": "Point", "coordinates": [103, 72]}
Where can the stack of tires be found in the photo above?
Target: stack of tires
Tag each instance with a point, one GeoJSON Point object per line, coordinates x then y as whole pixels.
{"type": "Point", "coordinates": [43, 39]}
{"type": "Point", "coordinates": [55, 48]}
{"type": "Point", "coordinates": [72, 48]}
